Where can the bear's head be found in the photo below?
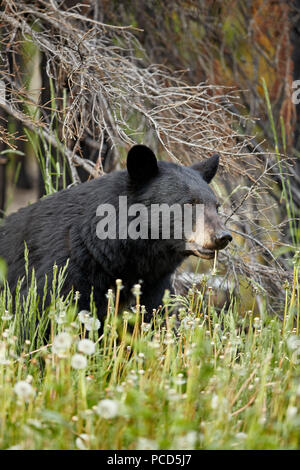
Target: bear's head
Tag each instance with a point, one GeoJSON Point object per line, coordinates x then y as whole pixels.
{"type": "Point", "coordinates": [182, 206]}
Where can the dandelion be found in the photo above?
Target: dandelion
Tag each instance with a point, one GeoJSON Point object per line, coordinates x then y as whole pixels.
{"type": "Point", "coordinates": [107, 408]}
{"type": "Point", "coordinates": [15, 447]}
{"type": "Point", "coordinates": [3, 358]}
{"type": "Point", "coordinates": [168, 339]}
{"type": "Point", "coordinates": [119, 284]}
{"type": "Point", "coordinates": [82, 441]}
{"type": "Point", "coordinates": [92, 324]}
{"type": "Point", "coordinates": [86, 346]}
{"type": "Point", "coordinates": [78, 361]}
{"type": "Point", "coordinates": [7, 316]}
{"type": "Point", "coordinates": [186, 442]}
{"type": "Point", "coordinates": [293, 342]}
{"type": "Point", "coordinates": [173, 395]}
{"type": "Point", "coordinates": [83, 316]}
{"type": "Point", "coordinates": [146, 444]}
{"type": "Point", "coordinates": [110, 295]}
{"type": "Point", "coordinates": [180, 380]}
{"type": "Point", "coordinates": [24, 391]}
{"type": "Point", "coordinates": [35, 423]}
{"type": "Point", "coordinates": [77, 296]}
{"type": "Point", "coordinates": [214, 401]}
{"type": "Point", "coordinates": [61, 343]}
{"type": "Point", "coordinates": [136, 290]}
{"type": "Point", "coordinates": [60, 318]}
{"type": "Point", "coordinates": [291, 412]}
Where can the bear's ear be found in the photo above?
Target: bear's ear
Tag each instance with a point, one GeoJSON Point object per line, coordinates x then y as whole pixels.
{"type": "Point", "coordinates": [208, 168]}
{"type": "Point", "coordinates": [141, 163]}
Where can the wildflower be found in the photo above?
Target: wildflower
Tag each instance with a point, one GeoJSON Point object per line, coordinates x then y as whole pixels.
{"type": "Point", "coordinates": [3, 358]}
{"type": "Point", "coordinates": [293, 342]}
{"type": "Point", "coordinates": [92, 324]}
{"type": "Point", "coordinates": [60, 318]}
{"type": "Point", "coordinates": [168, 338]}
{"type": "Point", "coordinates": [186, 442]}
{"type": "Point", "coordinates": [146, 444]}
{"type": "Point", "coordinates": [107, 408]}
{"type": "Point", "coordinates": [180, 380]}
{"type": "Point", "coordinates": [15, 447]}
{"type": "Point", "coordinates": [77, 296]}
{"type": "Point", "coordinates": [119, 284]}
{"type": "Point", "coordinates": [35, 423]}
{"type": "Point", "coordinates": [110, 295]}
{"type": "Point", "coordinates": [136, 290]}
{"type": "Point", "coordinates": [291, 412]}
{"type": "Point", "coordinates": [83, 316]}
{"type": "Point", "coordinates": [86, 346]}
{"type": "Point", "coordinates": [62, 342]}
{"type": "Point", "coordinates": [214, 401]}
{"type": "Point", "coordinates": [7, 316]}
{"type": "Point", "coordinates": [173, 395]}
{"type": "Point", "coordinates": [24, 391]}
{"type": "Point", "coordinates": [82, 441]}
{"type": "Point", "coordinates": [78, 361]}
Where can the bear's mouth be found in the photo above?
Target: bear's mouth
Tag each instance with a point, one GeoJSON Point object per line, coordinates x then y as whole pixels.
{"type": "Point", "coordinates": [197, 250]}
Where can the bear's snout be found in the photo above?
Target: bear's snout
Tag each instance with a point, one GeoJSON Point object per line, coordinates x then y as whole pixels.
{"type": "Point", "coordinates": [222, 238]}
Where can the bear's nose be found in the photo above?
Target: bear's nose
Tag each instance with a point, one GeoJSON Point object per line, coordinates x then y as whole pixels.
{"type": "Point", "coordinates": [222, 239]}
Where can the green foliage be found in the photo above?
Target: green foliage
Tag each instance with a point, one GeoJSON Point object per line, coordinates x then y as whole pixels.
{"type": "Point", "coordinates": [3, 271]}
{"type": "Point", "coordinates": [210, 381]}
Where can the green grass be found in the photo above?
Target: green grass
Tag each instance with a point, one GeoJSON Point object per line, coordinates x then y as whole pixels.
{"type": "Point", "coordinates": [216, 381]}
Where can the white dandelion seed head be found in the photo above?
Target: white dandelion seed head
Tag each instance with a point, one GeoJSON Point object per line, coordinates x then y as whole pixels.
{"type": "Point", "coordinates": [15, 447]}
{"type": "Point", "coordinates": [61, 343]}
{"type": "Point", "coordinates": [293, 342]}
{"type": "Point", "coordinates": [77, 295]}
{"type": "Point", "coordinates": [144, 443]}
{"type": "Point", "coordinates": [86, 346]}
{"type": "Point", "coordinates": [6, 316]}
{"type": "Point", "coordinates": [3, 353]}
{"type": "Point", "coordinates": [146, 326]}
{"type": "Point", "coordinates": [82, 441]}
{"type": "Point", "coordinates": [60, 318]}
{"type": "Point", "coordinates": [214, 401]}
{"type": "Point", "coordinates": [291, 412]}
{"type": "Point", "coordinates": [136, 290]}
{"type": "Point", "coordinates": [24, 391]}
{"type": "Point", "coordinates": [180, 380]}
{"type": "Point", "coordinates": [83, 316]}
{"type": "Point", "coordinates": [92, 324]}
{"type": "Point", "coordinates": [78, 361]}
{"type": "Point", "coordinates": [107, 408]}
{"type": "Point", "coordinates": [186, 442]}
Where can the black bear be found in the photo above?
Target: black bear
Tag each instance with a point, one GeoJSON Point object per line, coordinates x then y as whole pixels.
{"type": "Point", "coordinates": [77, 224]}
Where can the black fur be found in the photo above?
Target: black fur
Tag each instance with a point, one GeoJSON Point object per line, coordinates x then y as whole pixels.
{"type": "Point", "coordinates": [63, 226]}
